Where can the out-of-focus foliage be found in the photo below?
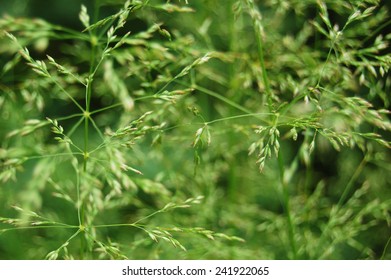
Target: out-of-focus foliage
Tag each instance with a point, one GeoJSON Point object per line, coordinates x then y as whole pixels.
{"type": "Point", "coordinates": [159, 129]}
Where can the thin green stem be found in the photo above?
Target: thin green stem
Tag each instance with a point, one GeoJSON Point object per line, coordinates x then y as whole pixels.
{"type": "Point", "coordinates": [286, 204]}
{"type": "Point", "coordinates": [342, 199]}
{"type": "Point", "coordinates": [74, 127]}
{"type": "Point", "coordinates": [86, 114]}
{"type": "Point", "coordinates": [239, 117]}
{"type": "Point", "coordinates": [51, 155]}
{"type": "Point", "coordinates": [74, 34]}
{"type": "Point", "coordinates": [386, 249]}
{"type": "Point", "coordinates": [148, 216]}
{"type": "Point", "coordinates": [86, 133]}
{"type": "Point", "coordinates": [67, 93]}
{"type": "Point", "coordinates": [100, 146]}
{"type": "Point", "coordinates": [114, 225]}
{"type": "Point", "coordinates": [354, 177]}
{"type": "Point", "coordinates": [65, 244]}
{"type": "Point", "coordinates": [226, 100]}
{"type": "Point", "coordinates": [88, 94]}
{"type": "Point", "coordinates": [262, 62]}
{"type": "Point", "coordinates": [180, 125]}
{"type": "Point", "coordinates": [254, 13]}
{"type": "Point", "coordinates": [106, 108]}
{"type": "Point", "coordinates": [58, 225]}
{"type": "Point", "coordinates": [69, 117]}
{"type": "Point", "coordinates": [222, 98]}
{"type": "Point", "coordinates": [97, 129]}
{"type": "Point", "coordinates": [107, 248]}
{"type": "Point", "coordinates": [145, 97]}
{"type": "Point", "coordinates": [324, 65]}
{"type": "Point", "coordinates": [286, 108]}
{"type": "Point", "coordinates": [332, 47]}
{"type": "Point", "coordinates": [122, 225]}
{"type": "Point", "coordinates": [78, 195]}
{"type": "Point", "coordinates": [373, 33]}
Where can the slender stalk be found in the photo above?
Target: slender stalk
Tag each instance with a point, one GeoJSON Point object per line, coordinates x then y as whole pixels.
{"type": "Point", "coordinates": [66, 93]}
{"type": "Point", "coordinates": [286, 204]}
{"type": "Point", "coordinates": [114, 225]}
{"type": "Point", "coordinates": [97, 129]}
{"type": "Point", "coordinates": [74, 127]}
{"type": "Point", "coordinates": [374, 33]}
{"type": "Point", "coordinates": [262, 61]}
{"type": "Point", "coordinates": [256, 17]}
{"type": "Point", "coordinates": [51, 155]}
{"type": "Point", "coordinates": [58, 225]}
{"type": "Point", "coordinates": [239, 117]}
{"type": "Point", "coordinates": [354, 177]}
{"type": "Point", "coordinates": [342, 199]}
{"type": "Point", "coordinates": [69, 117]}
{"type": "Point", "coordinates": [385, 249]}
{"type": "Point", "coordinates": [85, 144]}
{"type": "Point", "coordinates": [79, 216]}
{"type": "Point", "coordinates": [106, 108]}
{"type": "Point", "coordinates": [227, 101]}
{"type": "Point", "coordinates": [86, 115]}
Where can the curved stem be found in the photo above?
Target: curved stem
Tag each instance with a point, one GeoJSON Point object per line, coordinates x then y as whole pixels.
{"type": "Point", "coordinates": [385, 249]}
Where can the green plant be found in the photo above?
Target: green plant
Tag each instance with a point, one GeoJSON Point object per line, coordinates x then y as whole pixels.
{"type": "Point", "coordinates": [97, 159]}
{"type": "Point", "coordinates": [142, 120]}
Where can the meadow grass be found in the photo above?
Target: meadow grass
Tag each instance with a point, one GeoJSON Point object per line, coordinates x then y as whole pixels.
{"type": "Point", "coordinates": [167, 129]}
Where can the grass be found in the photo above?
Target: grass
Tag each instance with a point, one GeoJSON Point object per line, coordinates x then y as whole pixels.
{"type": "Point", "coordinates": [151, 131]}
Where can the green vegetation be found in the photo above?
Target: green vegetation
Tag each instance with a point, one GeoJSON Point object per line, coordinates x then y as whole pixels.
{"type": "Point", "coordinates": [152, 129]}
